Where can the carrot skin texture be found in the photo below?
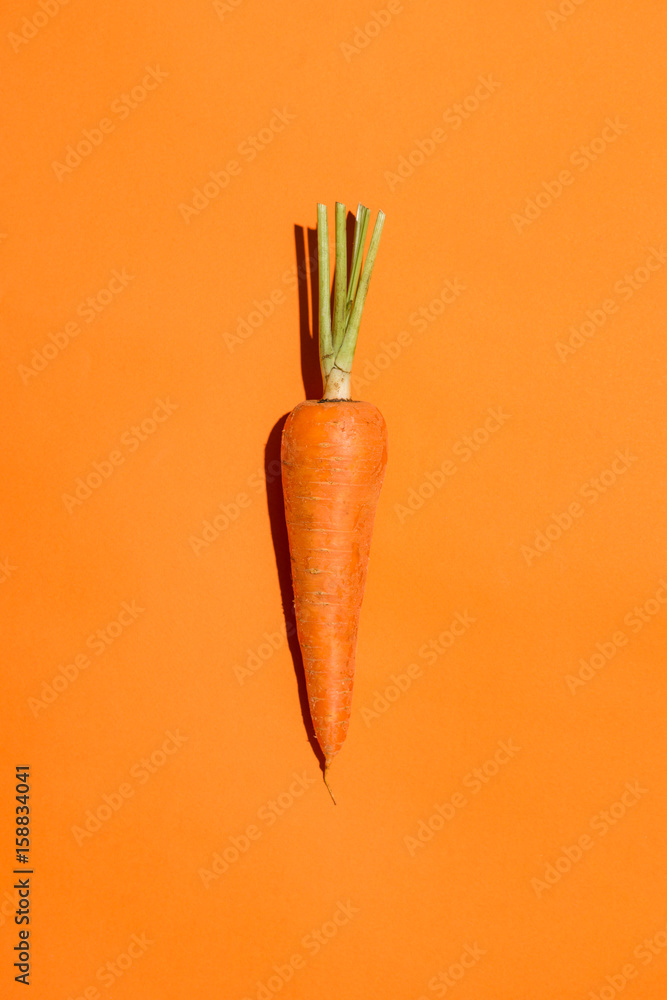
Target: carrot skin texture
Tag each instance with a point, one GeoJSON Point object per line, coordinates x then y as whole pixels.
{"type": "Point", "coordinates": [334, 455]}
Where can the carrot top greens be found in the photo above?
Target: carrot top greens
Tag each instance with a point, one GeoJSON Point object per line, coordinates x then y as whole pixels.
{"type": "Point", "coordinates": [339, 340]}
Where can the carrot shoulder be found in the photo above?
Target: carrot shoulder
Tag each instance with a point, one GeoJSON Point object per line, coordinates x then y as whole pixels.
{"type": "Point", "coordinates": [334, 454]}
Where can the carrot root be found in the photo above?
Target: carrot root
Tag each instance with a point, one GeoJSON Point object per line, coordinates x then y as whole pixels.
{"type": "Point", "coordinates": [334, 455]}
{"type": "Point", "coordinates": [326, 771]}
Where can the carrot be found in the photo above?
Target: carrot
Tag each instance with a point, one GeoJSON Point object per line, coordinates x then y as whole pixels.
{"type": "Point", "coordinates": [334, 454]}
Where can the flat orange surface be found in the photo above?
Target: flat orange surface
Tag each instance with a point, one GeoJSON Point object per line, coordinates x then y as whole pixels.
{"type": "Point", "coordinates": [499, 833]}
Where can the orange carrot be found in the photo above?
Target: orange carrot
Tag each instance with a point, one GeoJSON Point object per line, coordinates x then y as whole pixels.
{"type": "Point", "coordinates": [334, 454]}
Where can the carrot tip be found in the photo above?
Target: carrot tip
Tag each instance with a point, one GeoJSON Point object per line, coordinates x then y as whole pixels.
{"type": "Point", "coordinates": [326, 768]}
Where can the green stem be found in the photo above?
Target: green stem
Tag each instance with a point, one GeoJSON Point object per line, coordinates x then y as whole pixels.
{"type": "Point", "coordinates": [326, 344]}
{"type": "Point", "coordinates": [337, 350]}
{"type": "Point", "coordinates": [345, 354]}
{"type": "Point", "coordinates": [360, 226]}
{"type": "Point", "coordinates": [340, 279]}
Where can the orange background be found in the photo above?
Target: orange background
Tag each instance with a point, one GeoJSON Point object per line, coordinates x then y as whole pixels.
{"type": "Point", "coordinates": [539, 530]}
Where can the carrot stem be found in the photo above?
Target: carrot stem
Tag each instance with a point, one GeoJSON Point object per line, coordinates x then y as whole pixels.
{"type": "Point", "coordinates": [340, 279]}
{"type": "Point", "coordinates": [345, 353]}
{"type": "Point", "coordinates": [360, 226]}
{"type": "Point", "coordinates": [337, 349]}
{"type": "Point", "coordinates": [326, 344]}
